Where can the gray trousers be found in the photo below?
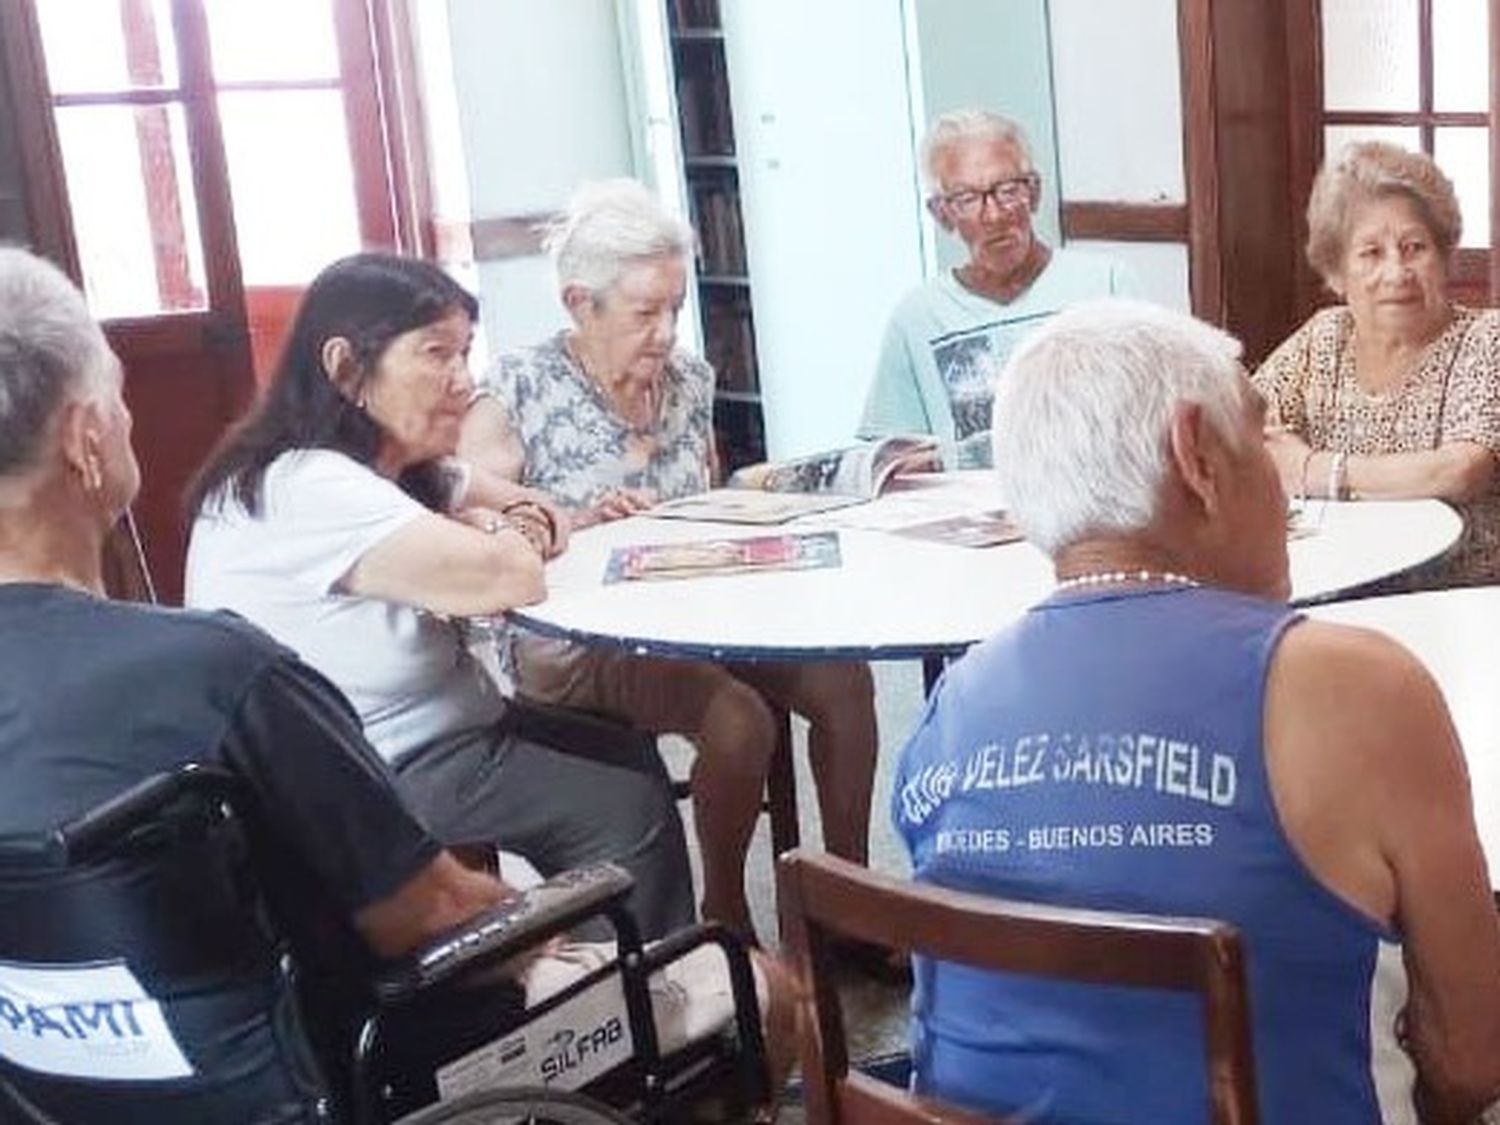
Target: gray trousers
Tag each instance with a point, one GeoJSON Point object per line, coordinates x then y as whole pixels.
{"type": "Point", "coordinates": [559, 808]}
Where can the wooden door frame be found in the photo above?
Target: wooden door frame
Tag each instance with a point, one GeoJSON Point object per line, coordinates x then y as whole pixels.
{"type": "Point", "coordinates": [1241, 167]}
{"type": "Point", "coordinates": [36, 137]}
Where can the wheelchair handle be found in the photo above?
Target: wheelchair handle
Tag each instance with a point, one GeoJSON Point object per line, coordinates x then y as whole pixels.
{"type": "Point", "coordinates": [95, 829]}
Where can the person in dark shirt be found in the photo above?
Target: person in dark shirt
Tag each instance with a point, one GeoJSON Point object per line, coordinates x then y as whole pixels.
{"type": "Point", "coordinates": [96, 696]}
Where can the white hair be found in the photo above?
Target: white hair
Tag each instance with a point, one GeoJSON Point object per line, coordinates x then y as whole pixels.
{"type": "Point", "coordinates": [608, 226]}
{"type": "Point", "coordinates": [1083, 415]}
{"type": "Point", "coordinates": [50, 349]}
{"type": "Point", "coordinates": [957, 126]}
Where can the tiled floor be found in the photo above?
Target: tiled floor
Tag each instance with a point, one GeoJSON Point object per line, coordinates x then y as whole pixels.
{"type": "Point", "coordinates": [875, 1015]}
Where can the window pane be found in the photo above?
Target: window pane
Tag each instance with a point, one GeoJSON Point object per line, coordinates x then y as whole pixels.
{"type": "Point", "coordinates": [293, 187]}
{"type": "Point", "coordinates": [280, 39]}
{"type": "Point", "coordinates": [130, 189]}
{"type": "Point", "coordinates": [1460, 44]}
{"type": "Point", "coordinates": [1370, 53]}
{"type": "Point", "coordinates": [87, 47]}
{"type": "Point", "coordinates": [1464, 154]}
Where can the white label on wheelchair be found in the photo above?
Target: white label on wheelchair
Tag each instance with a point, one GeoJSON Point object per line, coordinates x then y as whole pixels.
{"type": "Point", "coordinates": [85, 1021]}
{"type": "Point", "coordinates": [568, 1047]}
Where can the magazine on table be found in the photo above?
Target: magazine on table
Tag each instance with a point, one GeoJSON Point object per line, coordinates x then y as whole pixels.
{"type": "Point", "coordinates": [968, 529]}
{"type": "Point", "coordinates": [777, 491]}
{"type": "Point", "coordinates": [699, 558]}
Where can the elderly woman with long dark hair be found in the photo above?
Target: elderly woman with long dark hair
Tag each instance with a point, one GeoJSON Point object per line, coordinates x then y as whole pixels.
{"type": "Point", "coordinates": [1394, 394]}
{"type": "Point", "coordinates": [608, 417]}
{"type": "Point", "coordinates": [334, 517]}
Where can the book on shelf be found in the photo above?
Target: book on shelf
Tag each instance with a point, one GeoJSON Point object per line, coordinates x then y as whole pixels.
{"type": "Point", "coordinates": [777, 491]}
{"type": "Point", "coordinates": [705, 557]}
{"type": "Point", "coordinates": [729, 342]}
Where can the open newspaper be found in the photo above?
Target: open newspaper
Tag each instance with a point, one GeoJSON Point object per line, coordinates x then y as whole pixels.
{"type": "Point", "coordinates": [777, 491]}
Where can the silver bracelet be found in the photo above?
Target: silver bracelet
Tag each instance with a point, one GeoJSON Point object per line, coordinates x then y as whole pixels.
{"type": "Point", "coordinates": [1336, 475]}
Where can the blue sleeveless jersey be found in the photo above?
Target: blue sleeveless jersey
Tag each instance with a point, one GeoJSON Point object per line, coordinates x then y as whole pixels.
{"type": "Point", "coordinates": [1105, 752]}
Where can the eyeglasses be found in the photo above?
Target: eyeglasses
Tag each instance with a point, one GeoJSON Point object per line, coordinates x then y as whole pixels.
{"type": "Point", "coordinates": [1014, 192]}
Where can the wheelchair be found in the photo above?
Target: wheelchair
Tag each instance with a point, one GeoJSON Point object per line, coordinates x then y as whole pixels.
{"type": "Point", "coordinates": [136, 933]}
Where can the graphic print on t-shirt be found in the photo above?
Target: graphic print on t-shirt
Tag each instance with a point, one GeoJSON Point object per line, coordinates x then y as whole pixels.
{"type": "Point", "coordinates": [968, 362]}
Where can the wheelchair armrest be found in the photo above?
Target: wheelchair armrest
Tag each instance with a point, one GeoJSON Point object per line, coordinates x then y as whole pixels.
{"type": "Point", "coordinates": [504, 931]}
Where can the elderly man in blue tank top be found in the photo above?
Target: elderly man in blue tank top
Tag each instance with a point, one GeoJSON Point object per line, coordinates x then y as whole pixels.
{"type": "Point", "coordinates": [1164, 735]}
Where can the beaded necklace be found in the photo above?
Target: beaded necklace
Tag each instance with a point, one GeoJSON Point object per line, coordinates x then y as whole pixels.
{"type": "Point", "coordinates": [1120, 577]}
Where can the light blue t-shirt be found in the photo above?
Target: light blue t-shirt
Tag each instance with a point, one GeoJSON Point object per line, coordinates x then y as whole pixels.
{"type": "Point", "coordinates": [1106, 752]}
{"type": "Point", "coordinates": [944, 345]}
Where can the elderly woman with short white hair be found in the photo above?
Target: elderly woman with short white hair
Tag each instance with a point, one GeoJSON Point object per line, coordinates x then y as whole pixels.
{"type": "Point", "coordinates": [1394, 394]}
{"type": "Point", "coordinates": [609, 416]}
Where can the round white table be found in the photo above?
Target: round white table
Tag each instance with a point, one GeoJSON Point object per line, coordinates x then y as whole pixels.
{"type": "Point", "coordinates": [1453, 632]}
{"type": "Point", "coordinates": [895, 597]}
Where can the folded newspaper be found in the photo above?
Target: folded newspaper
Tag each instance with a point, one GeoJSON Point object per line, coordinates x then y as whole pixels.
{"type": "Point", "coordinates": [777, 491]}
{"type": "Point", "coordinates": [699, 558]}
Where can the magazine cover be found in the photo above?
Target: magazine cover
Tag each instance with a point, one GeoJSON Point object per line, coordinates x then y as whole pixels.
{"type": "Point", "coordinates": [776, 491]}
{"type": "Point", "coordinates": [703, 557]}
{"type": "Point", "coordinates": [857, 470]}
{"type": "Point", "coordinates": [975, 529]}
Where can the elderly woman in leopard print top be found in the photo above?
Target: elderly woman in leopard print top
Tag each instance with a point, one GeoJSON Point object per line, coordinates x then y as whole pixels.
{"type": "Point", "coordinates": [1396, 393]}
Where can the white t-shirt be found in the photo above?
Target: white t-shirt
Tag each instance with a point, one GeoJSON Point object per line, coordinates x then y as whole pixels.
{"type": "Point", "coordinates": [406, 671]}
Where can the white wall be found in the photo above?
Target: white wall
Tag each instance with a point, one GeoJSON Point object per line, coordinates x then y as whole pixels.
{"type": "Point", "coordinates": [542, 101]}
{"type": "Point", "coordinates": [990, 54]}
{"type": "Point", "coordinates": [1116, 81]}
{"type": "Point", "coordinates": [541, 97]}
{"type": "Point", "coordinates": [822, 126]}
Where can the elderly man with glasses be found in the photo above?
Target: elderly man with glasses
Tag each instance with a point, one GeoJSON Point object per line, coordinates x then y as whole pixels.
{"type": "Point", "coordinates": [947, 338]}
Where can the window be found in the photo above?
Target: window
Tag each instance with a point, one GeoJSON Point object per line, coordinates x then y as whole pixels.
{"type": "Point", "coordinates": [300, 116]}
{"type": "Point", "coordinates": [1417, 72]}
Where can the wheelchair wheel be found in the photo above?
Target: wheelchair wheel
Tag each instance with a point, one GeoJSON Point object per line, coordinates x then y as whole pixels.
{"type": "Point", "coordinates": [523, 1105]}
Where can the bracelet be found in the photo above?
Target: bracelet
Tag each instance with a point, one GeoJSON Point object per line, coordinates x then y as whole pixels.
{"type": "Point", "coordinates": [539, 512]}
{"type": "Point", "coordinates": [529, 530]}
{"type": "Point", "coordinates": [1336, 475]}
{"type": "Point", "coordinates": [534, 533]}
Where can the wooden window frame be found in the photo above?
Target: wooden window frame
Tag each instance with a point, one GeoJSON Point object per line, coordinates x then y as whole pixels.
{"type": "Point", "coordinates": [1475, 272]}
{"type": "Point", "coordinates": [382, 109]}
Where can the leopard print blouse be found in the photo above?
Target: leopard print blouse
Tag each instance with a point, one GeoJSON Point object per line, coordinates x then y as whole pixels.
{"type": "Point", "coordinates": [1453, 395]}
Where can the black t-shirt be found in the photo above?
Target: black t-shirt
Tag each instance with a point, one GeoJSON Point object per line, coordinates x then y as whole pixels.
{"type": "Point", "coordinates": [97, 695]}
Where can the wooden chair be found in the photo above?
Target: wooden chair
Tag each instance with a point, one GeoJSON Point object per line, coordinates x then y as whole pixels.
{"type": "Point", "coordinates": [821, 895]}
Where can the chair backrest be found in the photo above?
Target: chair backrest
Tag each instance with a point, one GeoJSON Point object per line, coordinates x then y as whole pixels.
{"type": "Point", "coordinates": [822, 895]}
{"type": "Point", "coordinates": [138, 966]}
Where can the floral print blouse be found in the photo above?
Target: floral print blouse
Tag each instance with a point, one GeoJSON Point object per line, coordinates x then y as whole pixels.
{"type": "Point", "coordinates": [578, 448]}
{"type": "Point", "coordinates": [1452, 395]}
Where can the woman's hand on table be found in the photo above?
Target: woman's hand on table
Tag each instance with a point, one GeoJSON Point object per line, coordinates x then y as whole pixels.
{"type": "Point", "coordinates": [615, 504]}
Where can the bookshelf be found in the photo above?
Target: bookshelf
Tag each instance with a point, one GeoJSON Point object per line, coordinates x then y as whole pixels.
{"type": "Point", "coordinates": [711, 169]}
